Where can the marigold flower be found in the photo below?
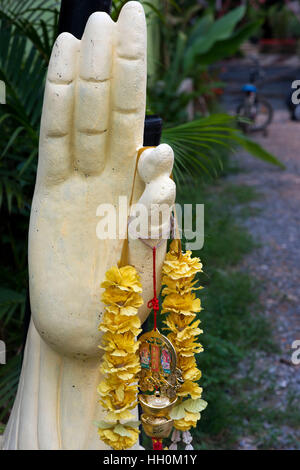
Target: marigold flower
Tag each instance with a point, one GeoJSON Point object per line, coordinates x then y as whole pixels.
{"type": "Point", "coordinates": [186, 304]}
{"type": "Point", "coordinates": [120, 344]}
{"type": "Point", "coordinates": [121, 302]}
{"type": "Point", "coordinates": [185, 363]}
{"type": "Point", "coordinates": [179, 286]}
{"type": "Point", "coordinates": [116, 441]}
{"type": "Point", "coordinates": [193, 374]}
{"type": "Point", "coordinates": [183, 332]}
{"type": "Point", "coordinates": [186, 347]}
{"type": "Point", "coordinates": [113, 385]}
{"type": "Point", "coordinates": [116, 415]}
{"type": "Point", "coordinates": [125, 278]}
{"type": "Point", "coordinates": [189, 369]}
{"type": "Point", "coordinates": [179, 271]}
{"type": "Point", "coordinates": [186, 423]}
{"type": "Point", "coordinates": [120, 323]}
{"type": "Point", "coordinates": [179, 265]}
{"type": "Point", "coordinates": [111, 402]}
{"type": "Point", "coordinates": [178, 322]}
{"type": "Point", "coordinates": [120, 362]}
{"type": "Point", "coordinates": [190, 388]}
{"type": "Point", "coordinates": [125, 368]}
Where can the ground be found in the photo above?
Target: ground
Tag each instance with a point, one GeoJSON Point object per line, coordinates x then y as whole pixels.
{"type": "Point", "coordinates": [275, 263]}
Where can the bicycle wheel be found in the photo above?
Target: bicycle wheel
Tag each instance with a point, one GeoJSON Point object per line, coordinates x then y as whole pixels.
{"type": "Point", "coordinates": [243, 111]}
{"type": "Point", "coordinates": [263, 116]}
{"type": "Point", "coordinates": [260, 113]}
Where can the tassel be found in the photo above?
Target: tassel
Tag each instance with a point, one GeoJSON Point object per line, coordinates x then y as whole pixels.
{"type": "Point", "coordinates": [175, 438]}
{"type": "Point", "coordinates": [189, 447]}
{"type": "Point", "coordinates": [157, 444]}
{"type": "Point", "coordinates": [187, 439]}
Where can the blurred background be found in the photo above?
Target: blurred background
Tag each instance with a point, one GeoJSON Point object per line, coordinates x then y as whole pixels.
{"type": "Point", "coordinates": [220, 74]}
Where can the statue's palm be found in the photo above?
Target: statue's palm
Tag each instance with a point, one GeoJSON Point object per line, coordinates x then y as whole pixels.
{"type": "Point", "coordinates": [92, 126]}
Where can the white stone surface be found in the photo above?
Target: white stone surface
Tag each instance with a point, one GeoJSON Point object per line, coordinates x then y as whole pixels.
{"type": "Point", "coordinates": [91, 128]}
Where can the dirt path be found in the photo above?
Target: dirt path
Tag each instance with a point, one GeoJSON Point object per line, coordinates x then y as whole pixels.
{"type": "Point", "coordinates": [276, 264]}
{"type": "Point", "coordinates": [277, 227]}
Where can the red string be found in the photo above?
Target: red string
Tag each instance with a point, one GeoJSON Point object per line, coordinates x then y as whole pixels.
{"type": "Point", "coordinates": [157, 444]}
{"type": "Point", "coordinates": [154, 303]}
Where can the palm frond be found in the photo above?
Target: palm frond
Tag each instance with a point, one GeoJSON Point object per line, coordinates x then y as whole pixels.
{"type": "Point", "coordinates": [23, 71]}
{"type": "Point", "coordinates": [36, 21]}
{"type": "Point", "coordinates": [196, 143]}
{"type": "Point", "coordinates": [9, 378]}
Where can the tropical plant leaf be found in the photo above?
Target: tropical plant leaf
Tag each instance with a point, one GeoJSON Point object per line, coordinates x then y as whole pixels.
{"type": "Point", "coordinates": [9, 379]}
{"type": "Point", "coordinates": [201, 27]}
{"type": "Point", "coordinates": [178, 412]}
{"type": "Point", "coordinates": [122, 431]}
{"type": "Point", "coordinates": [133, 424]}
{"type": "Point", "coordinates": [103, 424]}
{"type": "Point", "coordinates": [9, 297]}
{"type": "Point", "coordinates": [228, 47]}
{"type": "Point", "coordinates": [212, 32]}
{"type": "Point", "coordinates": [195, 143]}
{"type": "Point", "coordinates": [29, 22]}
{"type": "Point", "coordinates": [257, 150]}
{"type": "Point", "coordinates": [21, 112]}
{"type": "Point", "coordinates": [195, 406]}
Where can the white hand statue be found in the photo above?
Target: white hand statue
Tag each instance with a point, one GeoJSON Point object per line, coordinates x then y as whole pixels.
{"type": "Point", "coordinates": [92, 126]}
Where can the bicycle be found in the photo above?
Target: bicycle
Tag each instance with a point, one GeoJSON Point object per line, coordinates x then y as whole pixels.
{"type": "Point", "coordinates": [256, 111]}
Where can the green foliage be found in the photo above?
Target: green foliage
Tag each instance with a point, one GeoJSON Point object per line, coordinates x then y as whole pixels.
{"type": "Point", "coordinates": [197, 144]}
{"type": "Point", "coordinates": [207, 36]}
{"type": "Point", "coordinates": [280, 20]}
{"type": "Point", "coordinates": [228, 47]}
{"type": "Point", "coordinates": [34, 20]}
{"type": "Point", "coordinates": [188, 53]}
{"type": "Point", "coordinates": [9, 379]}
{"type": "Point", "coordinates": [22, 68]}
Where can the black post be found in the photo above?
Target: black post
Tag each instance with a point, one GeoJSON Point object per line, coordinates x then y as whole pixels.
{"type": "Point", "coordinates": [152, 135]}
{"type": "Point", "coordinates": [152, 130]}
{"type": "Point", "coordinates": [75, 13]}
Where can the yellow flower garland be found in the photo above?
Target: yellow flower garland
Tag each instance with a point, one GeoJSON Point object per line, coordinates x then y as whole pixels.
{"type": "Point", "coordinates": [179, 271]}
{"type": "Point", "coordinates": [120, 362]}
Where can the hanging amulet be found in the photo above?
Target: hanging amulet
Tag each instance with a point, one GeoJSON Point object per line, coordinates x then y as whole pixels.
{"type": "Point", "coordinates": [159, 381]}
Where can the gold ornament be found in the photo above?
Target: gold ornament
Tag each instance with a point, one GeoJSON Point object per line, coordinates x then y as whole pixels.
{"type": "Point", "coordinates": [159, 381]}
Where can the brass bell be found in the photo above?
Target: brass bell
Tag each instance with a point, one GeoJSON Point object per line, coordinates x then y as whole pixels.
{"type": "Point", "coordinates": [158, 427]}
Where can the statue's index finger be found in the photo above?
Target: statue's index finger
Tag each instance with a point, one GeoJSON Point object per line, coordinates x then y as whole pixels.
{"type": "Point", "coordinates": [93, 93]}
{"type": "Point", "coordinates": [57, 115]}
{"type": "Point", "coordinates": [58, 99]}
{"type": "Point", "coordinates": [129, 81]}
